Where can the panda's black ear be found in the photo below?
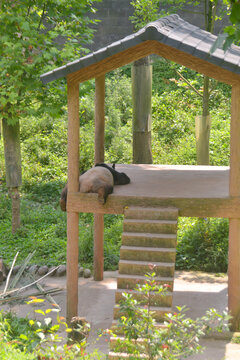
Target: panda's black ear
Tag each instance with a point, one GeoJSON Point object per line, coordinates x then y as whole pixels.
{"type": "Point", "coordinates": [113, 166]}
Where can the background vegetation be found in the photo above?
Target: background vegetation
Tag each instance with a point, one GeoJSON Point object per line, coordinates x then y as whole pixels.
{"type": "Point", "coordinates": [202, 243]}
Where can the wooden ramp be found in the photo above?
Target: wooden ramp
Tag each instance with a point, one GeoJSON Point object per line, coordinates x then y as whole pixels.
{"type": "Point", "coordinates": [148, 240]}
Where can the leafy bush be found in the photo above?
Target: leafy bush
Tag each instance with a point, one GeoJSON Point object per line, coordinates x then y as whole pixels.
{"type": "Point", "coordinates": [202, 244]}
{"type": "Point", "coordinates": [24, 338]}
{"type": "Point", "coordinates": [140, 335]}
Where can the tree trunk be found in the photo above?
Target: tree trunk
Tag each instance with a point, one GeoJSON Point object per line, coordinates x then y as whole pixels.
{"type": "Point", "coordinates": [203, 123]}
{"type": "Point", "coordinates": [142, 111]}
{"type": "Point", "coordinates": [15, 196]}
{"type": "Point", "coordinates": [202, 126]}
{"type": "Point", "coordinates": [12, 153]}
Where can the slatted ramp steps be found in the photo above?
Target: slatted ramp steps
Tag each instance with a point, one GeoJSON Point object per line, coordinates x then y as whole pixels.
{"type": "Point", "coordinates": [148, 242]}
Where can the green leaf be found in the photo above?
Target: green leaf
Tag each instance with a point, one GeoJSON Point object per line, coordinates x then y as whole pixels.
{"type": "Point", "coordinates": [39, 311]}
{"type": "Point", "coordinates": [235, 13]}
{"type": "Point", "coordinates": [23, 337]}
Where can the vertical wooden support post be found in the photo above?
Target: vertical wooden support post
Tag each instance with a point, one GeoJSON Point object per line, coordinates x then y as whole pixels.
{"type": "Point", "coordinates": [142, 110]}
{"type": "Point", "coordinates": [73, 186]}
{"type": "Point", "coordinates": [99, 157]}
{"type": "Point", "coordinates": [234, 224]}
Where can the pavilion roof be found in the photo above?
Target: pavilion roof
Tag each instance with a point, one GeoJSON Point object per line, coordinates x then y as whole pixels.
{"type": "Point", "coordinates": [171, 31]}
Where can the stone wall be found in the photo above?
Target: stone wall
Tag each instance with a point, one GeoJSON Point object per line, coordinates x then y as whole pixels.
{"type": "Point", "coordinates": [115, 23]}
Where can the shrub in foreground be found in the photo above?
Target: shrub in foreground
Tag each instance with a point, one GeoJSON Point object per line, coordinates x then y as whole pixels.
{"type": "Point", "coordinates": [177, 340]}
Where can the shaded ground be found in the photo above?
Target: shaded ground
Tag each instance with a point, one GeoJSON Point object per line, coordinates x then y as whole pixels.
{"type": "Point", "coordinates": [198, 291]}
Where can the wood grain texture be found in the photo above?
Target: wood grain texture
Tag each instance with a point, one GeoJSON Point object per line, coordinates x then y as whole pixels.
{"type": "Point", "coordinates": [72, 266]}
{"type": "Point", "coordinates": [234, 273]}
{"type": "Point", "coordinates": [154, 47]}
{"type": "Point", "coordinates": [200, 207]}
{"type": "Point", "coordinates": [201, 66]}
{"type": "Point", "coordinates": [72, 217]}
{"type": "Point", "coordinates": [98, 247]}
{"type": "Point", "coordinates": [73, 136]}
{"type": "Point", "coordinates": [99, 118]}
{"type": "Point", "coordinates": [234, 183]}
{"type": "Point", "coordinates": [98, 258]}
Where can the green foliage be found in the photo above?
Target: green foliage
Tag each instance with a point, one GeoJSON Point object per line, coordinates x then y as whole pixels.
{"type": "Point", "coordinates": [232, 31]}
{"type": "Point", "coordinates": [145, 11]}
{"type": "Point", "coordinates": [140, 335]}
{"type": "Point", "coordinates": [24, 338]}
{"type": "Point", "coordinates": [44, 158]}
{"type": "Point", "coordinates": [202, 244]}
{"type": "Point", "coordinates": [28, 48]}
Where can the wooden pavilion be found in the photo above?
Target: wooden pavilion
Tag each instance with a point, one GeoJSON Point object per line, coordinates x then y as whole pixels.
{"type": "Point", "coordinates": [201, 191]}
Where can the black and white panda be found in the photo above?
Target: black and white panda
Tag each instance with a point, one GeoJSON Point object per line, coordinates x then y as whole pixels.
{"type": "Point", "coordinates": [100, 179]}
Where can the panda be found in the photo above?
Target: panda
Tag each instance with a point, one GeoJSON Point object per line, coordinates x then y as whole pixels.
{"type": "Point", "coordinates": [100, 179]}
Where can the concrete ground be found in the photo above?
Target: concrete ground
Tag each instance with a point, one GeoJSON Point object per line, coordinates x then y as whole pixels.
{"type": "Point", "coordinates": [198, 291]}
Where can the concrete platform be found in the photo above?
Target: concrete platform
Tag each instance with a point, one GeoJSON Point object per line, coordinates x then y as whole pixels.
{"type": "Point", "coordinates": [175, 181]}
{"type": "Point", "coordinates": [201, 191]}
{"type": "Point", "coordinates": [198, 291]}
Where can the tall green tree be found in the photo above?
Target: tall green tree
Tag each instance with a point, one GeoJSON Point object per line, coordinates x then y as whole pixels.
{"type": "Point", "coordinates": [36, 35]}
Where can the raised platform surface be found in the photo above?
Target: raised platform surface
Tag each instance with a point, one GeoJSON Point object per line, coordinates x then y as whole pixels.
{"type": "Point", "coordinates": [195, 190]}
{"type": "Point", "coordinates": [171, 181]}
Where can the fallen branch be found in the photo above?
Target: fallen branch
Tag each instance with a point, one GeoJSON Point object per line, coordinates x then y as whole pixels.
{"type": "Point", "coordinates": [22, 297]}
{"type": "Point", "coordinates": [21, 270]}
{"type": "Point", "coordinates": [9, 274]}
{"type": "Point", "coordinates": [42, 290]}
{"type": "Point", "coordinates": [4, 294]}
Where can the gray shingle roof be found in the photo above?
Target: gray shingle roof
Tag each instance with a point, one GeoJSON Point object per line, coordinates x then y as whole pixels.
{"type": "Point", "coordinates": [170, 30]}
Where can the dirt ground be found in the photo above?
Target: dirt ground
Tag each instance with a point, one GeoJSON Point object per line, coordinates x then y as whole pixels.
{"type": "Point", "coordinates": [198, 291]}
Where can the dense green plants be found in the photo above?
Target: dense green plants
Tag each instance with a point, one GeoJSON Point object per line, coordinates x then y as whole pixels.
{"type": "Point", "coordinates": [202, 244]}
{"type": "Point", "coordinates": [44, 159]}
{"type": "Point", "coordinates": [43, 338]}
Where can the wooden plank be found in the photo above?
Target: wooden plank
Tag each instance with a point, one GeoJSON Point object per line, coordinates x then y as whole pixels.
{"type": "Point", "coordinates": [154, 47]}
{"type": "Point", "coordinates": [234, 177]}
{"type": "Point", "coordinates": [98, 247]}
{"type": "Point", "coordinates": [99, 157]}
{"type": "Point", "coordinates": [99, 118]}
{"type": "Point", "coordinates": [72, 266]}
{"type": "Point", "coordinates": [201, 66]}
{"type": "Point", "coordinates": [112, 62]}
{"type": "Point", "coordinates": [234, 273]}
{"type": "Point", "coordinates": [200, 207]}
{"type": "Point", "coordinates": [72, 216]}
{"type": "Point", "coordinates": [234, 222]}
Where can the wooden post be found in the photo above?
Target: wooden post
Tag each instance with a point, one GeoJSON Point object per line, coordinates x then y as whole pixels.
{"type": "Point", "coordinates": [142, 111]}
{"type": "Point", "coordinates": [99, 157]}
{"type": "Point", "coordinates": [234, 223]}
{"type": "Point", "coordinates": [73, 186]}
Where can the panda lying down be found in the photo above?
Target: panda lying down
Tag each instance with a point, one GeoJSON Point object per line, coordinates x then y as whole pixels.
{"type": "Point", "coordinates": [99, 179]}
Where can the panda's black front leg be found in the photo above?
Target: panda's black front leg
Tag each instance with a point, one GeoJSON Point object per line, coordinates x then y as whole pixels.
{"type": "Point", "coordinates": [103, 193]}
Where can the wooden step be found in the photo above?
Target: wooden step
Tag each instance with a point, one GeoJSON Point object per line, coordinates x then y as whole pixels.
{"type": "Point", "coordinates": [149, 239]}
{"type": "Point", "coordinates": [156, 299]}
{"type": "Point", "coordinates": [157, 312]}
{"type": "Point", "coordinates": [150, 226]}
{"type": "Point", "coordinates": [120, 356]}
{"type": "Point", "coordinates": [153, 213]}
{"type": "Point", "coordinates": [144, 267]}
{"type": "Point", "coordinates": [116, 329]}
{"type": "Point", "coordinates": [126, 281]}
{"type": "Point", "coordinates": [147, 253]}
{"type": "Point", "coordinates": [117, 345]}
